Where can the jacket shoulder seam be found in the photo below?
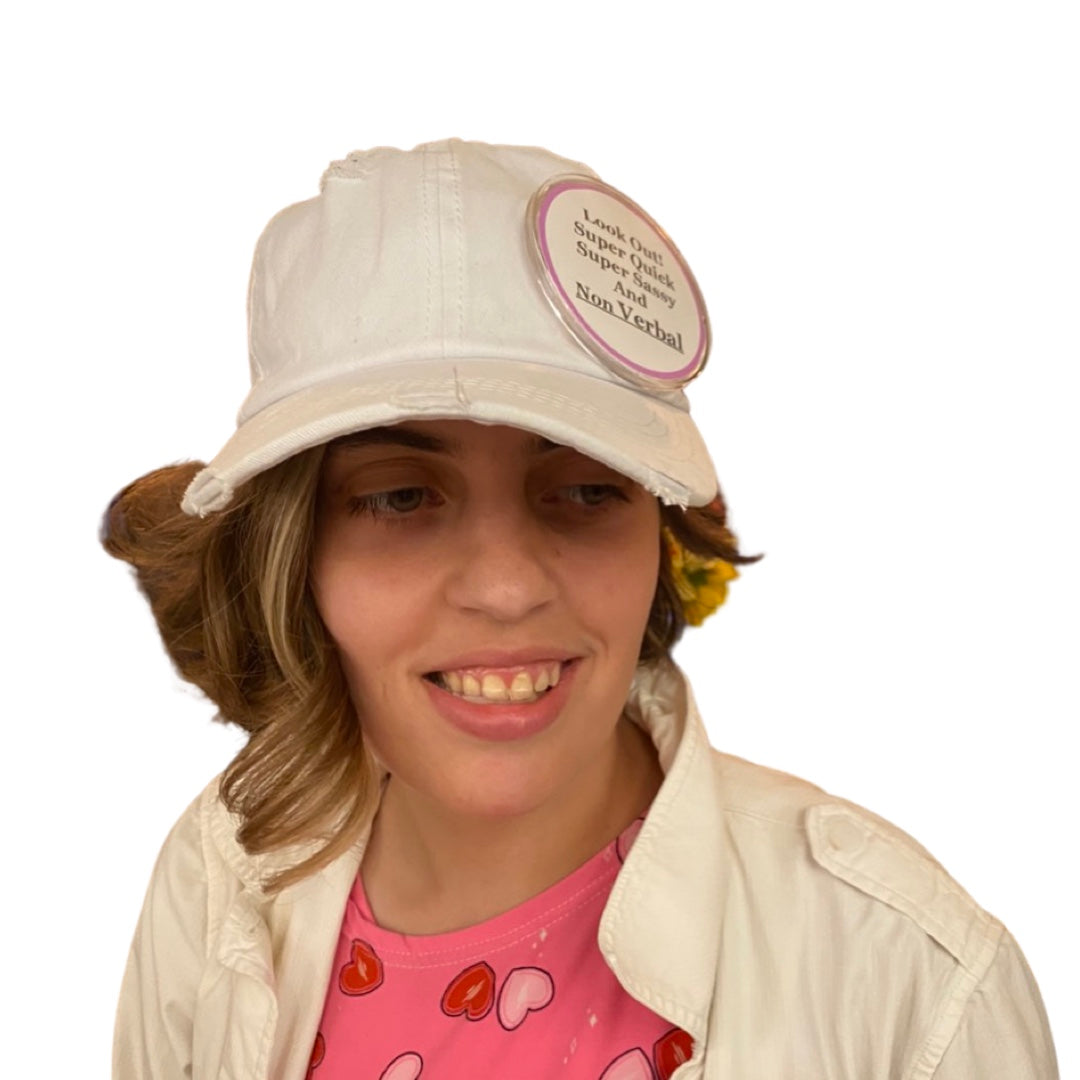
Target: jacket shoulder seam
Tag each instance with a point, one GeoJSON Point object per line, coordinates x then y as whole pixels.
{"type": "Point", "coordinates": [886, 864]}
{"type": "Point", "coordinates": [769, 819]}
{"type": "Point", "coordinates": [212, 856]}
{"type": "Point", "coordinates": [957, 999]}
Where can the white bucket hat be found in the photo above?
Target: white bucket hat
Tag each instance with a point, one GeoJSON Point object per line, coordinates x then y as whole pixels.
{"type": "Point", "coordinates": [497, 284]}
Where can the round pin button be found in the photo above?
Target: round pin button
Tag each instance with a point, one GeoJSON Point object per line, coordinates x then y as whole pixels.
{"type": "Point", "coordinates": [618, 282]}
{"type": "Point", "coordinates": [844, 835]}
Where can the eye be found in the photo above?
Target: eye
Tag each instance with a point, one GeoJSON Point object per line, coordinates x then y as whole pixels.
{"type": "Point", "coordinates": [595, 495]}
{"type": "Point", "coordinates": [399, 502]}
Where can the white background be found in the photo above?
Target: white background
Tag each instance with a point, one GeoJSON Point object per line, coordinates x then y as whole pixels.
{"type": "Point", "coordinates": [880, 203]}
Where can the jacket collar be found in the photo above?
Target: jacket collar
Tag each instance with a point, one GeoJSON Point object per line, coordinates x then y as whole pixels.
{"type": "Point", "coordinates": [254, 870]}
{"type": "Point", "coordinates": [657, 935]}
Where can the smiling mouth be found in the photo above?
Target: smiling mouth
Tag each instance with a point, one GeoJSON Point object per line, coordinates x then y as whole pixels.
{"type": "Point", "coordinates": [524, 687]}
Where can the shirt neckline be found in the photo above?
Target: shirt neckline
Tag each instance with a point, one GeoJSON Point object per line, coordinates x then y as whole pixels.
{"type": "Point", "coordinates": [533, 916]}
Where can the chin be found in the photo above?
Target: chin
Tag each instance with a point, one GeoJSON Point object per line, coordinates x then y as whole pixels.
{"type": "Point", "coordinates": [501, 792]}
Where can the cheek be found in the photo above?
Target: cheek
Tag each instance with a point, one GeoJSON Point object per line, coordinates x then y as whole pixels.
{"type": "Point", "coordinates": [355, 605]}
{"type": "Point", "coordinates": [376, 609]}
{"type": "Point", "coordinates": [641, 580]}
{"type": "Point", "coordinates": [616, 588]}
{"type": "Point", "coordinates": [356, 588]}
{"type": "Point", "coordinates": [331, 588]}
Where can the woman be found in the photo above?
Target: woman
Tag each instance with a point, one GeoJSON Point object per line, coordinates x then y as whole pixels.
{"type": "Point", "coordinates": [436, 574]}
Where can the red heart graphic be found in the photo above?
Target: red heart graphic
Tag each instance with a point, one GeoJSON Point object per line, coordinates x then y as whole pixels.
{"type": "Point", "coordinates": [364, 973]}
{"type": "Point", "coordinates": [472, 992]}
{"type": "Point", "coordinates": [670, 1051]}
{"type": "Point", "coordinates": [318, 1052]}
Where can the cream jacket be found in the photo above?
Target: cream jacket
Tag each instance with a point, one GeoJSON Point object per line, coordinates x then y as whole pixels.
{"type": "Point", "coordinates": [793, 935]}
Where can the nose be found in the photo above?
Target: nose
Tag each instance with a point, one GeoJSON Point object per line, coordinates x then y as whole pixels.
{"type": "Point", "coordinates": [502, 565]}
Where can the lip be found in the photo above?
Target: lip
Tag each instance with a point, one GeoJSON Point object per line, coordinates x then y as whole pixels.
{"type": "Point", "coordinates": [496, 658]}
{"type": "Point", "coordinates": [504, 723]}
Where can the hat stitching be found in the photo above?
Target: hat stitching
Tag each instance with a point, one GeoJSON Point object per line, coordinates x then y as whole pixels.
{"type": "Point", "coordinates": [459, 221]}
{"type": "Point", "coordinates": [424, 224]}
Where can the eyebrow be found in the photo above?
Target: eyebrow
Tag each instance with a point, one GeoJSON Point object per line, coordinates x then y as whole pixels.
{"type": "Point", "coordinates": [417, 440]}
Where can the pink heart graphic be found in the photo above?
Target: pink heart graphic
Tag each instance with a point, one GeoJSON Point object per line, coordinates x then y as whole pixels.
{"type": "Point", "coordinates": [633, 1065]}
{"type": "Point", "coordinates": [404, 1067]}
{"type": "Point", "coordinates": [524, 990]}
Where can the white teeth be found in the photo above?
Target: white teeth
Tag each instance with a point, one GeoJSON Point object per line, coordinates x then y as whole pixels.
{"type": "Point", "coordinates": [521, 689]}
{"type": "Point", "coordinates": [493, 687]}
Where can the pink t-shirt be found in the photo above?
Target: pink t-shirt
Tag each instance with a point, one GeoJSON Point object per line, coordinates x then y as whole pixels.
{"type": "Point", "coordinates": [523, 996]}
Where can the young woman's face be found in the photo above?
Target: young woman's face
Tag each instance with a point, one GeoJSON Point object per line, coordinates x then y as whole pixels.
{"type": "Point", "coordinates": [456, 561]}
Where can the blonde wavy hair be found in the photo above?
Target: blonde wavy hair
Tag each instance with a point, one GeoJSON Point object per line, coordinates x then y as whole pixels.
{"type": "Point", "coordinates": [233, 603]}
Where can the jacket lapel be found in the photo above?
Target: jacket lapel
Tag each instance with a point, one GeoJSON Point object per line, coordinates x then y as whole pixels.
{"type": "Point", "coordinates": [659, 933]}
{"type": "Point", "coordinates": [275, 953]}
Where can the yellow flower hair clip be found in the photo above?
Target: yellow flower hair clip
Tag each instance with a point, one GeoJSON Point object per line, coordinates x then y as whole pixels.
{"type": "Point", "coordinates": [702, 584]}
